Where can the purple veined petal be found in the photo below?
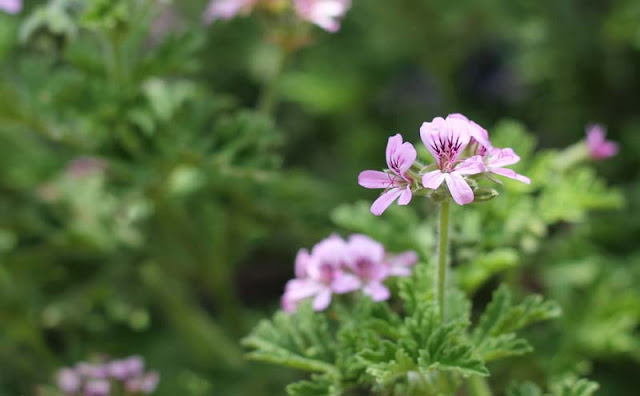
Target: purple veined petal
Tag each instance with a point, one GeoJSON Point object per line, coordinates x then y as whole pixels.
{"type": "Point", "coordinates": [302, 262]}
{"type": "Point", "coordinates": [345, 283]}
{"type": "Point", "coordinates": [393, 144]}
{"type": "Point", "coordinates": [510, 173]}
{"type": "Point", "coordinates": [472, 128]}
{"type": "Point", "coordinates": [470, 166]}
{"type": "Point", "coordinates": [502, 157]}
{"type": "Point", "coordinates": [405, 198]}
{"type": "Point", "coordinates": [377, 291]}
{"type": "Point", "coordinates": [385, 200]}
{"type": "Point", "coordinates": [428, 130]}
{"type": "Point", "coordinates": [460, 191]}
{"type": "Point", "coordinates": [400, 156]}
{"type": "Point", "coordinates": [322, 300]}
{"type": "Point", "coordinates": [375, 179]}
{"type": "Point", "coordinates": [433, 179]}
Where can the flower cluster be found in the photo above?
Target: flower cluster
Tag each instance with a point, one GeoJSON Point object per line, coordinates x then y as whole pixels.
{"type": "Point", "coordinates": [88, 379]}
{"type": "Point", "coordinates": [323, 13]}
{"type": "Point", "coordinates": [336, 266]}
{"type": "Point", "coordinates": [462, 151]}
{"type": "Point", "coordinates": [11, 6]}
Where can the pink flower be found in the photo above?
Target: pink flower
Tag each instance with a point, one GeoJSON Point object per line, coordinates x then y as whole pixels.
{"type": "Point", "coordinates": [68, 380]}
{"type": "Point", "coordinates": [396, 182]}
{"type": "Point", "coordinates": [323, 274]}
{"type": "Point", "coordinates": [367, 263]}
{"type": "Point", "coordinates": [445, 140]}
{"type": "Point", "coordinates": [479, 135]}
{"type": "Point", "coordinates": [125, 368]}
{"type": "Point", "coordinates": [11, 6]}
{"type": "Point", "coordinates": [226, 9]}
{"type": "Point", "coordinates": [324, 13]}
{"type": "Point", "coordinates": [599, 148]}
{"type": "Point", "coordinates": [496, 159]}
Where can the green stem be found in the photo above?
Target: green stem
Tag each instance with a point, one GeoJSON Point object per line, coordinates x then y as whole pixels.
{"type": "Point", "coordinates": [268, 100]}
{"type": "Point", "coordinates": [443, 248]}
{"type": "Point", "coordinates": [478, 386]}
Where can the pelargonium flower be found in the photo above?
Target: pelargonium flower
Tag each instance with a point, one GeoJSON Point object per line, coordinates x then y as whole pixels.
{"type": "Point", "coordinates": [322, 274]}
{"type": "Point", "coordinates": [496, 159]}
{"type": "Point", "coordinates": [367, 263]}
{"type": "Point", "coordinates": [396, 181]}
{"type": "Point", "coordinates": [324, 13]}
{"type": "Point", "coordinates": [11, 6]}
{"type": "Point", "coordinates": [227, 9]}
{"type": "Point", "coordinates": [122, 369]}
{"type": "Point", "coordinates": [400, 264]}
{"type": "Point", "coordinates": [446, 140]}
{"type": "Point", "coordinates": [600, 148]}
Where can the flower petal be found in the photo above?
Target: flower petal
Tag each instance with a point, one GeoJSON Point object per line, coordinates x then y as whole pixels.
{"type": "Point", "coordinates": [433, 179]}
{"type": "Point", "coordinates": [382, 203]}
{"type": "Point", "coordinates": [302, 261]}
{"type": "Point", "coordinates": [502, 157]}
{"type": "Point", "coordinates": [405, 198]}
{"type": "Point", "coordinates": [377, 291]}
{"type": "Point", "coordinates": [400, 156]}
{"type": "Point", "coordinates": [322, 300]}
{"type": "Point", "coordinates": [470, 166]}
{"type": "Point", "coordinates": [345, 283]}
{"type": "Point", "coordinates": [374, 179]}
{"type": "Point", "coordinates": [460, 191]}
{"type": "Point", "coordinates": [428, 130]}
{"type": "Point", "coordinates": [510, 173]}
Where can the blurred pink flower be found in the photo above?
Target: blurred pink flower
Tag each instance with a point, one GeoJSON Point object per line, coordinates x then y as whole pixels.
{"type": "Point", "coordinates": [400, 264]}
{"type": "Point", "coordinates": [324, 13]}
{"type": "Point", "coordinates": [446, 140]}
{"type": "Point", "coordinates": [599, 147]}
{"type": "Point", "coordinates": [11, 6]}
{"type": "Point", "coordinates": [68, 380]}
{"type": "Point", "coordinates": [227, 9]}
{"type": "Point", "coordinates": [145, 384]}
{"type": "Point", "coordinates": [396, 182]}
{"type": "Point", "coordinates": [497, 159]}
{"type": "Point", "coordinates": [323, 274]}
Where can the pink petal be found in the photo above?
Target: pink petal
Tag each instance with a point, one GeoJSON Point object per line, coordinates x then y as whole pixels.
{"type": "Point", "coordinates": [595, 135]}
{"type": "Point", "coordinates": [400, 156]}
{"type": "Point", "coordinates": [405, 198]}
{"type": "Point", "coordinates": [377, 291]}
{"type": "Point", "coordinates": [433, 179]}
{"type": "Point", "coordinates": [502, 157]}
{"type": "Point", "coordinates": [298, 289]}
{"type": "Point", "coordinates": [345, 283]}
{"type": "Point", "coordinates": [382, 203]}
{"type": "Point", "coordinates": [428, 129]}
{"type": "Point", "coordinates": [399, 264]}
{"type": "Point", "coordinates": [322, 300]}
{"type": "Point", "coordinates": [460, 190]}
{"type": "Point", "coordinates": [11, 6]}
{"type": "Point", "coordinates": [360, 246]}
{"type": "Point", "coordinates": [511, 174]}
{"type": "Point", "coordinates": [374, 179]}
{"type": "Point", "coordinates": [393, 144]}
{"type": "Point", "coordinates": [470, 166]}
{"type": "Point", "coordinates": [302, 261]}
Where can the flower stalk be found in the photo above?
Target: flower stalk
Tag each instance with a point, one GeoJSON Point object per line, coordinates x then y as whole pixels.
{"type": "Point", "coordinates": [443, 250]}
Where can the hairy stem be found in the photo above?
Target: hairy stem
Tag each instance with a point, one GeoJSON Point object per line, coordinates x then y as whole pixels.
{"type": "Point", "coordinates": [443, 250]}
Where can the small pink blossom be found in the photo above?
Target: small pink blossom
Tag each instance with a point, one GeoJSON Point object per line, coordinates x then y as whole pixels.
{"type": "Point", "coordinates": [68, 380]}
{"type": "Point", "coordinates": [446, 140]}
{"type": "Point", "coordinates": [145, 384]}
{"type": "Point", "coordinates": [367, 263]}
{"type": "Point", "coordinates": [11, 6]}
{"type": "Point", "coordinates": [396, 182]}
{"type": "Point", "coordinates": [324, 13]}
{"type": "Point", "coordinates": [227, 9]}
{"type": "Point", "coordinates": [496, 159]}
{"type": "Point", "coordinates": [323, 274]}
{"type": "Point", "coordinates": [599, 147]}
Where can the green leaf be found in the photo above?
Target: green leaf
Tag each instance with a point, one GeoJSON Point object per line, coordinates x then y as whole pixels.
{"type": "Point", "coordinates": [581, 387]}
{"type": "Point", "coordinates": [318, 386]}
{"type": "Point", "coordinates": [524, 389]}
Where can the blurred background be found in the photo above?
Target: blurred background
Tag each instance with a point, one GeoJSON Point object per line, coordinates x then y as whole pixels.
{"type": "Point", "coordinates": [158, 174]}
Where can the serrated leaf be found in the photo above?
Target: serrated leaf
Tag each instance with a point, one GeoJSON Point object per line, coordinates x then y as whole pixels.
{"type": "Point", "coordinates": [317, 386]}
{"type": "Point", "coordinates": [503, 346]}
{"type": "Point", "coordinates": [581, 387]}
